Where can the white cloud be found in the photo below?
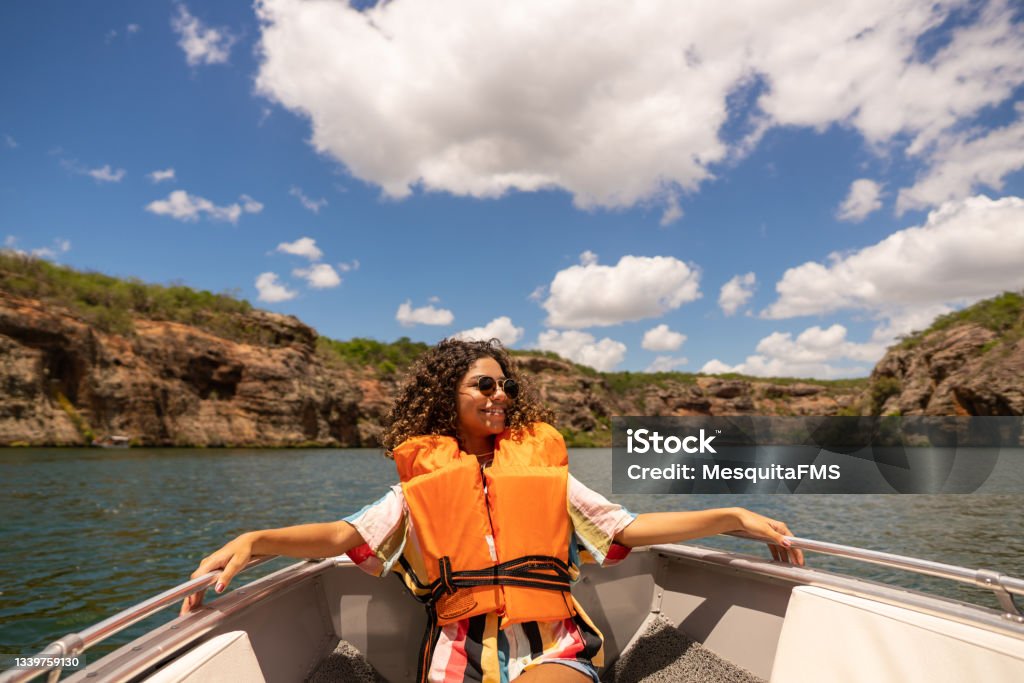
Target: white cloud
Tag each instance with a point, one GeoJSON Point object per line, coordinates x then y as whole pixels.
{"type": "Point", "coordinates": [965, 251]}
{"type": "Point", "coordinates": [501, 328]}
{"type": "Point", "coordinates": [814, 353]}
{"type": "Point", "coordinates": [319, 276]}
{"type": "Point", "coordinates": [105, 174]}
{"type": "Point", "coordinates": [271, 290]}
{"type": "Point", "coordinates": [408, 316]}
{"type": "Point", "coordinates": [902, 321]}
{"type": "Point", "coordinates": [817, 344]}
{"type": "Point", "coordinates": [837, 74]}
{"type": "Point", "coordinates": [310, 204]}
{"type": "Point", "coordinates": [673, 211]}
{"type": "Point", "coordinates": [160, 176]}
{"type": "Point", "coordinates": [250, 205]}
{"type": "Point", "coordinates": [636, 287]}
{"type": "Point", "coordinates": [202, 44]}
{"type": "Point", "coordinates": [583, 348]}
{"type": "Point", "coordinates": [716, 367]}
{"type": "Point", "coordinates": [862, 200]}
{"type": "Point", "coordinates": [736, 293]}
{"type": "Point", "coordinates": [666, 364]}
{"type": "Point", "coordinates": [588, 258]}
{"type": "Point", "coordinates": [304, 246]}
{"type": "Point", "coordinates": [132, 28]}
{"type": "Point", "coordinates": [186, 207]}
{"type": "Point", "coordinates": [636, 110]}
{"type": "Point", "coordinates": [661, 338]}
{"type": "Point", "coordinates": [963, 162]}
{"type": "Point", "coordinates": [10, 142]}
{"type": "Point", "coordinates": [59, 246]}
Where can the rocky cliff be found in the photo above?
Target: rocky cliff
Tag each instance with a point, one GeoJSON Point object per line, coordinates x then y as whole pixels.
{"type": "Point", "coordinates": [170, 384]}
{"type": "Point", "coordinates": [65, 380]}
{"type": "Point", "coordinates": [968, 363]}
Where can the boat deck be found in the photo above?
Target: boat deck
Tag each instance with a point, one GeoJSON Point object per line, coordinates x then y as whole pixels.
{"type": "Point", "coordinates": [668, 613]}
{"type": "Point", "coordinates": [661, 654]}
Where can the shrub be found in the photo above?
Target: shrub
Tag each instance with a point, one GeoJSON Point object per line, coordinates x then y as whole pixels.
{"type": "Point", "coordinates": [882, 389]}
{"type": "Point", "coordinates": [386, 357]}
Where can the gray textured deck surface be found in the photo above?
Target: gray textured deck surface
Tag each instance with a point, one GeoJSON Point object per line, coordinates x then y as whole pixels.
{"type": "Point", "coordinates": [664, 654]}
{"type": "Point", "coordinates": [345, 664]}
{"type": "Point", "coordinates": [661, 654]}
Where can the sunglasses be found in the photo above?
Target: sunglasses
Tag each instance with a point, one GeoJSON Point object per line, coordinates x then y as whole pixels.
{"type": "Point", "coordinates": [487, 386]}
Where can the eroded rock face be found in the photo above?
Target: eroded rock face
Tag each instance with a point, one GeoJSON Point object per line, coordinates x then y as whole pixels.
{"type": "Point", "coordinates": [172, 384]}
{"type": "Point", "coordinates": [586, 403]}
{"type": "Point", "coordinates": [952, 372]}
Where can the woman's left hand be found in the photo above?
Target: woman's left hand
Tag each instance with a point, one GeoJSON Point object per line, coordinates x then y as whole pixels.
{"type": "Point", "coordinates": [773, 531]}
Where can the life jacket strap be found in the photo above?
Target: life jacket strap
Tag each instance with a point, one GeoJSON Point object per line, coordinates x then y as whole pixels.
{"type": "Point", "coordinates": [531, 571]}
{"type": "Point", "coordinates": [430, 636]}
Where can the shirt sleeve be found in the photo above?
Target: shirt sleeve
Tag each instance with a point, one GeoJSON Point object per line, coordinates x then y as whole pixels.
{"type": "Point", "coordinates": [383, 525]}
{"type": "Point", "coordinates": [596, 520]}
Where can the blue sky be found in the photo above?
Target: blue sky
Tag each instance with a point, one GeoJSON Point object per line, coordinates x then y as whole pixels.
{"type": "Point", "coordinates": [773, 188]}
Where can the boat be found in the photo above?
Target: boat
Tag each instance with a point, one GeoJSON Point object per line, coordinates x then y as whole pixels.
{"type": "Point", "coordinates": [667, 612]}
{"type": "Point", "coordinates": [113, 441]}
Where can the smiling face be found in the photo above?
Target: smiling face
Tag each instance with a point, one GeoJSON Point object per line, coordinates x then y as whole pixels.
{"type": "Point", "coordinates": [480, 417]}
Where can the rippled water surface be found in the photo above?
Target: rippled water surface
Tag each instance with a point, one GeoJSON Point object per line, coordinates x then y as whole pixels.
{"type": "Point", "coordinates": [87, 533]}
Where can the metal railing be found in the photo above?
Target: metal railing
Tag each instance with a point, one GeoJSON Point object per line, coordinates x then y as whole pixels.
{"type": "Point", "coordinates": [1004, 586]}
{"type": "Point", "coordinates": [77, 643]}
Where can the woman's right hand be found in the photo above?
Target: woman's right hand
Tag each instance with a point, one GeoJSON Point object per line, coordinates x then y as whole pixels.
{"type": "Point", "coordinates": [232, 558]}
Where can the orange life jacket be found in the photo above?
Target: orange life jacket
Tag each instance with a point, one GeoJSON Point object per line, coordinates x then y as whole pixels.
{"type": "Point", "coordinates": [494, 539]}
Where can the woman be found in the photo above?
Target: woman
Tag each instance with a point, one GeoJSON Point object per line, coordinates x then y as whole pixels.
{"type": "Point", "coordinates": [487, 527]}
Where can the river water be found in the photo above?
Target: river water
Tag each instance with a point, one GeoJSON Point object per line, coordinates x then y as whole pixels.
{"type": "Point", "coordinates": [88, 532]}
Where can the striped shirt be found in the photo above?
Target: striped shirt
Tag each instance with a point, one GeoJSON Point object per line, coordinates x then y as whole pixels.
{"type": "Point", "coordinates": [477, 649]}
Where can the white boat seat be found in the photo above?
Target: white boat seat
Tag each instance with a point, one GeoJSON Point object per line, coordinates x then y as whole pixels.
{"type": "Point", "coordinates": [227, 657]}
{"type": "Point", "coordinates": [831, 636]}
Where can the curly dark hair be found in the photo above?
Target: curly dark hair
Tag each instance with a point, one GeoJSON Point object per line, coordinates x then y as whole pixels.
{"type": "Point", "coordinates": [428, 403]}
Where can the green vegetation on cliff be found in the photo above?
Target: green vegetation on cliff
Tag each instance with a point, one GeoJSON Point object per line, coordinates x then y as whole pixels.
{"type": "Point", "coordinates": [110, 304]}
{"type": "Point", "coordinates": [1003, 314]}
{"type": "Point", "coordinates": [387, 358]}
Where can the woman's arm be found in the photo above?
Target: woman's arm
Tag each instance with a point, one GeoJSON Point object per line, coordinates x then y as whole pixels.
{"type": "Point", "coordinates": [673, 527]}
{"type": "Point", "coordinates": [307, 540]}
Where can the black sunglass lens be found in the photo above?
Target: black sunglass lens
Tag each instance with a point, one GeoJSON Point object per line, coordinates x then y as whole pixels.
{"type": "Point", "coordinates": [510, 388]}
{"type": "Point", "coordinates": [486, 385]}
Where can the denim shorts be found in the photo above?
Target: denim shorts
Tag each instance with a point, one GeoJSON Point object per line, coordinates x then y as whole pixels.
{"type": "Point", "coordinates": [583, 667]}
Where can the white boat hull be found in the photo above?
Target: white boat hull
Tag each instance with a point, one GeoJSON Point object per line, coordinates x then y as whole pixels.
{"type": "Point", "coordinates": [777, 622]}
